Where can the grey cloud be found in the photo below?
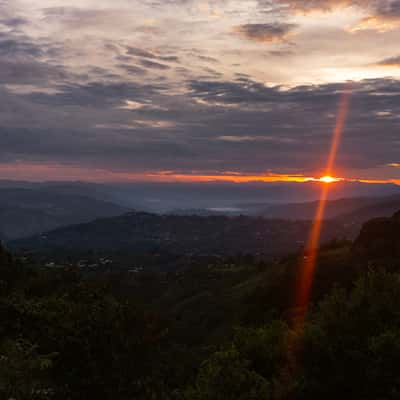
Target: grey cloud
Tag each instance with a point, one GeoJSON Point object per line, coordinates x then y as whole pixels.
{"type": "Point", "coordinates": [29, 72]}
{"type": "Point", "coordinates": [389, 8]}
{"type": "Point", "coordinates": [207, 58]}
{"type": "Point", "coordinates": [96, 94]}
{"type": "Point", "coordinates": [13, 22]}
{"type": "Point", "coordinates": [390, 62]}
{"type": "Point", "coordinates": [138, 52]}
{"type": "Point", "coordinates": [135, 51]}
{"type": "Point", "coordinates": [132, 69]}
{"type": "Point", "coordinates": [25, 61]}
{"type": "Point", "coordinates": [111, 116]}
{"type": "Point", "coordinates": [16, 45]}
{"type": "Point", "coordinates": [290, 129]}
{"type": "Point", "coordinates": [281, 53]}
{"type": "Point", "coordinates": [153, 64]}
{"type": "Point", "coordinates": [268, 32]}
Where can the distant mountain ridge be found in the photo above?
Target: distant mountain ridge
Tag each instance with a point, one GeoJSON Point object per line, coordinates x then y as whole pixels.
{"type": "Point", "coordinates": [365, 207]}
{"type": "Point", "coordinates": [211, 234]}
{"type": "Point", "coordinates": [212, 196]}
{"type": "Point", "coordinates": [190, 235]}
{"type": "Point", "coordinates": [25, 212]}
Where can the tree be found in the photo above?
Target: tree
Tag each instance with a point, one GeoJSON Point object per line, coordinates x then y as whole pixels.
{"type": "Point", "coordinates": [246, 370]}
{"type": "Point", "coordinates": [352, 343]}
{"type": "Point", "coordinates": [24, 373]}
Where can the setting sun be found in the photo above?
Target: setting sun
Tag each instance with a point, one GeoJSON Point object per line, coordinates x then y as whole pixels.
{"type": "Point", "coordinates": [328, 179]}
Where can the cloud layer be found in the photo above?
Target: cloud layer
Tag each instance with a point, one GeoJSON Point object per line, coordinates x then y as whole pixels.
{"type": "Point", "coordinates": [251, 87]}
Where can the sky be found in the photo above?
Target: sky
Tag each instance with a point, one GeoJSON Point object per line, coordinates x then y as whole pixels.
{"type": "Point", "coordinates": [185, 90]}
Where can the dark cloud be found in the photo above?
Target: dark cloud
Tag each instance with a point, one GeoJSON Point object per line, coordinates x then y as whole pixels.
{"type": "Point", "coordinates": [104, 98]}
{"type": "Point", "coordinates": [132, 69]}
{"type": "Point", "coordinates": [24, 61]}
{"type": "Point", "coordinates": [389, 8]}
{"type": "Point", "coordinates": [138, 52]}
{"type": "Point", "coordinates": [269, 32]}
{"type": "Point", "coordinates": [153, 64]}
{"type": "Point", "coordinates": [207, 58]}
{"type": "Point", "coordinates": [264, 127]}
{"type": "Point", "coordinates": [96, 94]}
{"type": "Point", "coordinates": [15, 45]}
{"type": "Point", "coordinates": [135, 51]}
{"type": "Point", "coordinates": [13, 22]}
{"type": "Point", "coordinates": [390, 62]}
{"type": "Point", "coordinates": [174, 59]}
{"type": "Point", "coordinates": [30, 73]}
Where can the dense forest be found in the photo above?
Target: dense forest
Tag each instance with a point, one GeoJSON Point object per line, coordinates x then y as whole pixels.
{"type": "Point", "coordinates": [186, 234]}
{"type": "Point", "coordinates": [221, 329]}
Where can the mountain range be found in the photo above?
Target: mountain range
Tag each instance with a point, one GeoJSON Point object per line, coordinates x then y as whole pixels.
{"type": "Point", "coordinates": [220, 235]}
{"type": "Point", "coordinates": [25, 212]}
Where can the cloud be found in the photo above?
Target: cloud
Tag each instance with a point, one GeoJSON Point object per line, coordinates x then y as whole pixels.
{"type": "Point", "coordinates": [138, 52]}
{"type": "Point", "coordinates": [30, 73]}
{"type": "Point", "coordinates": [142, 53]}
{"type": "Point", "coordinates": [128, 126]}
{"type": "Point", "coordinates": [379, 23]}
{"type": "Point", "coordinates": [88, 87]}
{"type": "Point", "coordinates": [269, 32]}
{"type": "Point", "coordinates": [85, 18]}
{"type": "Point", "coordinates": [132, 69]}
{"type": "Point", "coordinates": [153, 64]}
{"type": "Point", "coordinates": [13, 22]}
{"type": "Point", "coordinates": [285, 7]}
{"type": "Point", "coordinates": [207, 59]}
{"type": "Point", "coordinates": [96, 94]}
{"type": "Point", "coordinates": [13, 47]}
{"type": "Point", "coordinates": [25, 61]}
{"type": "Point", "coordinates": [390, 62]}
{"type": "Point", "coordinates": [382, 15]}
{"type": "Point", "coordinates": [238, 139]}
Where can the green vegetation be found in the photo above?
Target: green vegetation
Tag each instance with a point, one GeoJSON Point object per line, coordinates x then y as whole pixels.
{"type": "Point", "coordinates": [217, 329]}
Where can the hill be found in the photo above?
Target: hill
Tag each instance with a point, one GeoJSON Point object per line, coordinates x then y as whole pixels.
{"type": "Point", "coordinates": [25, 212]}
{"type": "Point", "coordinates": [379, 240]}
{"type": "Point", "coordinates": [249, 198]}
{"type": "Point", "coordinates": [212, 235]}
{"type": "Point", "coordinates": [284, 229]}
{"type": "Point", "coordinates": [360, 208]}
{"type": "Point", "coordinates": [191, 333]}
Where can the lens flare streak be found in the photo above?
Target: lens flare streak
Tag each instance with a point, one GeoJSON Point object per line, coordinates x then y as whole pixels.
{"type": "Point", "coordinates": [308, 262]}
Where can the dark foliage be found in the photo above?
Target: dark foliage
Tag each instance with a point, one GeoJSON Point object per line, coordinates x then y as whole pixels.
{"type": "Point", "coordinates": [217, 329]}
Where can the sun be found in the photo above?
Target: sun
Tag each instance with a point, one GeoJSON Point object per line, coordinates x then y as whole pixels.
{"type": "Point", "coordinates": [328, 179]}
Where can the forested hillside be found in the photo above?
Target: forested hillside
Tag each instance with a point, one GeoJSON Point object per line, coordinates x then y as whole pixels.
{"type": "Point", "coordinates": [219, 235]}
{"type": "Point", "coordinates": [218, 330]}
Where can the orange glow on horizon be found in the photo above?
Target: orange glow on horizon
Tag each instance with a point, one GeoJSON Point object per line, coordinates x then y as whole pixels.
{"type": "Point", "coordinates": [66, 172]}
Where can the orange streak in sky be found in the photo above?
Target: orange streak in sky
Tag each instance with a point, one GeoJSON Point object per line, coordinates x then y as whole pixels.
{"type": "Point", "coordinates": [66, 172]}
{"type": "Point", "coordinates": [308, 264]}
